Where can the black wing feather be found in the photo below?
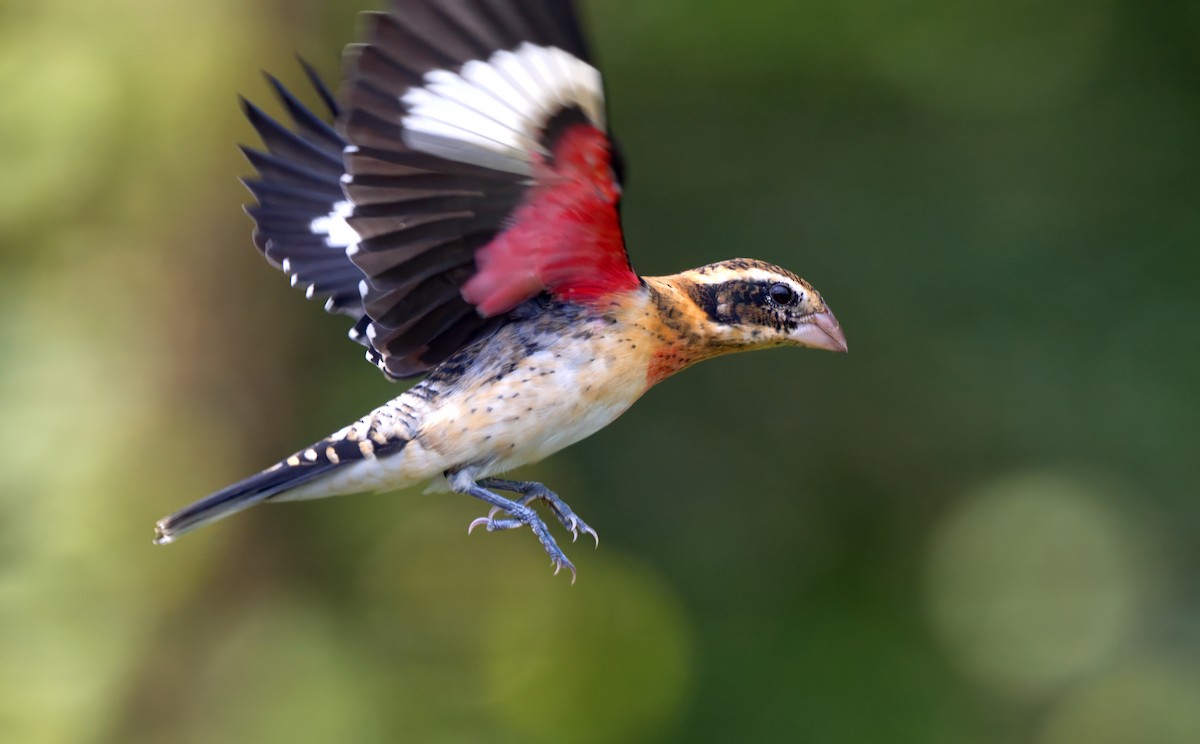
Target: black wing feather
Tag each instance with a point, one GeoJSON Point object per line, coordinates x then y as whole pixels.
{"type": "Point", "coordinates": [422, 217]}
{"type": "Point", "coordinates": [298, 180]}
{"type": "Point", "coordinates": [419, 218]}
{"type": "Point", "coordinates": [308, 124]}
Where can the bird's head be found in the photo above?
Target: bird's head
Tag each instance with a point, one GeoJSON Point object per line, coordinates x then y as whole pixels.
{"type": "Point", "coordinates": [744, 304]}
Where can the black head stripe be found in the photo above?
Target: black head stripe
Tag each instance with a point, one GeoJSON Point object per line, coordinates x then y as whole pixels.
{"type": "Point", "coordinates": [742, 302]}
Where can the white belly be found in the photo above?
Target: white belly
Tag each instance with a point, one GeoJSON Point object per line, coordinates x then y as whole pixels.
{"type": "Point", "coordinates": [555, 397]}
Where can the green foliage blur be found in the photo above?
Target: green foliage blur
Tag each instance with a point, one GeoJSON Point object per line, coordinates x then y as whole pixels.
{"type": "Point", "coordinates": [980, 526]}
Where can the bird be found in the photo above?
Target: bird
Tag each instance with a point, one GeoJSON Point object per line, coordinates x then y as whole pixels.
{"type": "Point", "coordinates": [459, 199]}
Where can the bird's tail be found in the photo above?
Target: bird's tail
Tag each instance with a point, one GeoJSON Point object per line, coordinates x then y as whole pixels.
{"type": "Point", "coordinates": [283, 476]}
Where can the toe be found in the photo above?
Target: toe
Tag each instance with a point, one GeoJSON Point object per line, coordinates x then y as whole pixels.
{"type": "Point", "coordinates": [562, 563]}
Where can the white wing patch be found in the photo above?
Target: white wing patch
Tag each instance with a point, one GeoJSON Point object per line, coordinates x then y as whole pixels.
{"type": "Point", "coordinates": [492, 113]}
{"type": "Point", "coordinates": [335, 228]}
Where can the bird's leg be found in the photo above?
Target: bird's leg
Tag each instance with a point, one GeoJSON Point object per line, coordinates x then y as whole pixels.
{"type": "Point", "coordinates": [533, 491]}
{"type": "Point", "coordinates": [462, 482]}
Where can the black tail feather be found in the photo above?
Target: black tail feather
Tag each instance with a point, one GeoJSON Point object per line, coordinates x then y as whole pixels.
{"type": "Point", "coordinates": [242, 495]}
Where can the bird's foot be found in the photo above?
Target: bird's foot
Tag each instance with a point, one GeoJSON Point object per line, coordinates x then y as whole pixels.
{"type": "Point", "coordinates": [492, 524]}
{"type": "Point", "coordinates": [533, 491]}
{"type": "Point", "coordinates": [522, 516]}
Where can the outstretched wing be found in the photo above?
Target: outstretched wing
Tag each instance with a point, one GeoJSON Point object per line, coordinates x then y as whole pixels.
{"type": "Point", "coordinates": [478, 172]}
{"type": "Point", "coordinates": [470, 170]}
{"type": "Point", "coordinates": [297, 186]}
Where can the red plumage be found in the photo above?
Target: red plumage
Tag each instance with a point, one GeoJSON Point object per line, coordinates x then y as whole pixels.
{"type": "Point", "coordinates": [468, 171]}
{"type": "Point", "coordinates": [565, 239]}
{"type": "Point", "coordinates": [466, 182]}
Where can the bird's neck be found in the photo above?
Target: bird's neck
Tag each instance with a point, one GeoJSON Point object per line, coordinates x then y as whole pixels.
{"type": "Point", "coordinates": [682, 333]}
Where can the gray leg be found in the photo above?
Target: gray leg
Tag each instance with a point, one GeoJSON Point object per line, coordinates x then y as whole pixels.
{"type": "Point", "coordinates": [533, 491]}
{"type": "Point", "coordinates": [461, 482]}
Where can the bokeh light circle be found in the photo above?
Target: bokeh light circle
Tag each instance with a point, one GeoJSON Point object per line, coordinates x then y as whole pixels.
{"type": "Point", "coordinates": [1143, 702]}
{"type": "Point", "coordinates": [613, 651]}
{"type": "Point", "coordinates": [1030, 582]}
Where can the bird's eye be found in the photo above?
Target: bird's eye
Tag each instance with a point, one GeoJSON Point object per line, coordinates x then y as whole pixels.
{"type": "Point", "coordinates": [782, 294]}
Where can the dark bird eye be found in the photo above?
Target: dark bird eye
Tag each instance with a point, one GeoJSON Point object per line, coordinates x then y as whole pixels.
{"type": "Point", "coordinates": [782, 294]}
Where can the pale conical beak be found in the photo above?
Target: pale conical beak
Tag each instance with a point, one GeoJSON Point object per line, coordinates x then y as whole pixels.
{"type": "Point", "coordinates": [822, 331]}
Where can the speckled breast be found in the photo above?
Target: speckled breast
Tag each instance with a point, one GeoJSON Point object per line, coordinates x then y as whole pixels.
{"type": "Point", "coordinates": [537, 386]}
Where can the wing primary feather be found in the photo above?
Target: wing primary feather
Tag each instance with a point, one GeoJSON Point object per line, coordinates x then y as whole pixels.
{"type": "Point", "coordinates": [507, 15]}
{"type": "Point", "coordinates": [292, 173]}
{"type": "Point", "coordinates": [299, 222]}
{"type": "Point", "coordinates": [317, 130]}
{"type": "Point", "coordinates": [421, 23]}
{"type": "Point", "coordinates": [269, 194]}
{"type": "Point", "coordinates": [390, 31]}
{"type": "Point", "coordinates": [322, 90]}
{"type": "Point", "coordinates": [283, 142]}
{"type": "Point", "coordinates": [377, 65]}
{"type": "Point", "coordinates": [468, 17]}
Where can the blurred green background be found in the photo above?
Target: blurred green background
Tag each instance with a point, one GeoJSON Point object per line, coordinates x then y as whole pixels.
{"type": "Point", "coordinates": [980, 526]}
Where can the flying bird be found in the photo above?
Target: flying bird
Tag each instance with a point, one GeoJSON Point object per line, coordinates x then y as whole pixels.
{"type": "Point", "coordinates": [460, 201]}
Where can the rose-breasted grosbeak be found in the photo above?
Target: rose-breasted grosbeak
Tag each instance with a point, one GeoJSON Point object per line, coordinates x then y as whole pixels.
{"type": "Point", "coordinates": [464, 211]}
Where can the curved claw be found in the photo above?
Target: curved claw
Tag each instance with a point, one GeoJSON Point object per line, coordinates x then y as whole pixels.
{"type": "Point", "coordinates": [592, 532]}
{"type": "Point", "coordinates": [558, 566]}
{"type": "Point", "coordinates": [489, 521]}
{"type": "Point", "coordinates": [524, 515]}
{"type": "Point", "coordinates": [577, 525]}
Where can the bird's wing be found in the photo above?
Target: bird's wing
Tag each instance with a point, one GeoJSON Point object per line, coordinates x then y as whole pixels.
{"type": "Point", "coordinates": [298, 183]}
{"type": "Point", "coordinates": [470, 170]}
{"type": "Point", "coordinates": [479, 173]}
